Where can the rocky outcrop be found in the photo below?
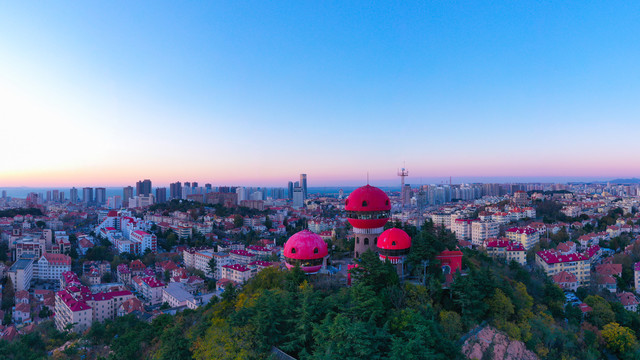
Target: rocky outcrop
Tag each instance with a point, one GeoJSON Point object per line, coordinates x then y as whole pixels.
{"type": "Point", "coordinates": [490, 343]}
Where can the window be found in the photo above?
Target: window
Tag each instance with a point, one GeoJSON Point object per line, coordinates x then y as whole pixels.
{"type": "Point", "coordinates": [366, 241]}
{"type": "Point", "coordinates": [315, 250]}
{"type": "Point", "coordinates": [293, 250]}
{"type": "Point", "coordinates": [393, 243]}
{"type": "Point", "coordinates": [357, 242]}
{"type": "Point", "coordinates": [386, 202]}
{"type": "Point", "coordinates": [364, 203]}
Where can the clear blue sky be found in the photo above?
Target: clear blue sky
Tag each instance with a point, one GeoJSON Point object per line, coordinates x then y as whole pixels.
{"type": "Point", "coordinates": [106, 93]}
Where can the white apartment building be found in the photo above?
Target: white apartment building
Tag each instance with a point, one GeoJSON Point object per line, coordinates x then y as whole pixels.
{"type": "Point", "coordinates": [483, 230]}
{"type": "Point", "coordinates": [51, 266]}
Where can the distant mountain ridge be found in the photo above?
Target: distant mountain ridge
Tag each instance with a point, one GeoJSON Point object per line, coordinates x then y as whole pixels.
{"type": "Point", "coordinates": [625, 181]}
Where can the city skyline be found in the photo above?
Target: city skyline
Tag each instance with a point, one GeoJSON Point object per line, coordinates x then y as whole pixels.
{"type": "Point", "coordinates": [256, 93]}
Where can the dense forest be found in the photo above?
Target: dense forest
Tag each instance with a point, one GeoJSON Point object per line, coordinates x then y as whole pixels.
{"type": "Point", "coordinates": [378, 317]}
{"type": "Point", "coordinates": [20, 211]}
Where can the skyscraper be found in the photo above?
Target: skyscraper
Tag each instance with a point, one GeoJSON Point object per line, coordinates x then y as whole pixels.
{"type": "Point", "coordinates": [175, 190]}
{"type": "Point", "coordinates": [61, 196]}
{"type": "Point", "coordinates": [55, 195]}
{"type": "Point", "coordinates": [298, 197]}
{"type": "Point", "coordinates": [303, 185]}
{"type": "Point", "coordinates": [290, 190]}
{"type": "Point", "coordinates": [127, 193]}
{"type": "Point", "coordinates": [73, 195]}
{"type": "Point", "coordinates": [101, 196]}
{"type": "Point", "coordinates": [161, 195]}
{"type": "Point", "coordinates": [143, 187]}
{"type": "Point", "coordinates": [87, 195]}
{"type": "Point", "coordinates": [49, 198]}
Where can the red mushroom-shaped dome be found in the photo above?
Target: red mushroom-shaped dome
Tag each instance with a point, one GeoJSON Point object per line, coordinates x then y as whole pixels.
{"type": "Point", "coordinates": [306, 249]}
{"type": "Point", "coordinates": [393, 245]}
{"type": "Point", "coordinates": [394, 239]}
{"type": "Point", "coordinates": [368, 207]}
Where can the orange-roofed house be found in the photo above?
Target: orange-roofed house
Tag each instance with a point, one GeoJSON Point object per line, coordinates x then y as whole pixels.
{"type": "Point", "coordinates": [629, 301]}
{"type": "Point", "coordinates": [566, 280]}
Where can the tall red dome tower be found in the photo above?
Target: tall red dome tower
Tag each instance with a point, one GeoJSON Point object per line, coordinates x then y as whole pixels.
{"type": "Point", "coordinates": [368, 209]}
{"type": "Point", "coordinates": [393, 246]}
{"type": "Point", "coordinates": [306, 249]}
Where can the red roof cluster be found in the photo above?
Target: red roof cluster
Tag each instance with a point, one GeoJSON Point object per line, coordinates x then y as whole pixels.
{"type": "Point", "coordinates": [260, 263]}
{"type": "Point", "coordinates": [242, 253]}
{"type": "Point", "coordinates": [236, 267]}
{"type": "Point", "coordinates": [510, 245]}
{"type": "Point", "coordinates": [152, 282]}
{"type": "Point", "coordinates": [526, 230]}
{"type": "Point", "coordinates": [553, 257]}
{"type": "Point", "coordinates": [57, 259]}
{"type": "Point", "coordinates": [257, 248]}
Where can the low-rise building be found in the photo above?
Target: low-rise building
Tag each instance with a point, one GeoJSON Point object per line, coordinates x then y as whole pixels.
{"type": "Point", "coordinates": [51, 266]}
{"type": "Point", "coordinates": [151, 289]}
{"type": "Point", "coordinates": [506, 249]}
{"type": "Point", "coordinates": [578, 264]}
{"type": "Point", "coordinates": [241, 257]}
{"type": "Point", "coordinates": [566, 280]}
{"type": "Point", "coordinates": [78, 308]}
{"type": "Point", "coordinates": [483, 230]}
{"type": "Point", "coordinates": [527, 236]}
{"type": "Point", "coordinates": [237, 273]}
{"type": "Point", "coordinates": [21, 272]}
{"type": "Point", "coordinates": [629, 301]}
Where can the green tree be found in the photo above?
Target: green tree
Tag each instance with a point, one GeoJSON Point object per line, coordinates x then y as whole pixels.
{"type": "Point", "coordinates": [501, 307]}
{"type": "Point", "coordinates": [602, 313]}
{"type": "Point", "coordinates": [238, 221]}
{"type": "Point", "coordinates": [451, 324]}
{"type": "Point", "coordinates": [619, 339]}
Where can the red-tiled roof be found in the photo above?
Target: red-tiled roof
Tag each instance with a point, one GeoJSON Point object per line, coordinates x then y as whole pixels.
{"type": "Point", "coordinates": [236, 267]}
{"type": "Point", "coordinates": [627, 299]}
{"type": "Point", "coordinates": [609, 269]}
{"type": "Point", "coordinates": [152, 282]}
{"type": "Point", "coordinates": [553, 257]}
{"type": "Point", "coordinates": [526, 230]}
{"type": "Point", "coordinates": [564, 277]}
{"type": "Point", "coordinates": [242, 253]}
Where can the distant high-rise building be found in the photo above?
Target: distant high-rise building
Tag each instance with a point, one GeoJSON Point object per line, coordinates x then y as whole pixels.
{"type": "Point", "coordinates": [4, 194]}
{"type": "Point", "coordinates": [242, 192]}
{"type": "Point", "coordinates": [32, 199]}
{"type": "Point", "coordinates": [73, 195]}
{"type": "Point", "coordinates": [290, 190]}
{"type": "Point", "coordinates": [208, 188]}
{"type": "Point", "coordinates": [114, 202]}
{"type": "Point", "coordinates": [298, 197]}
{"type": "Point", "coordinates": [49, 198]}
{"type": "Point", "coordinates": [143, 187]}
{"type": "Point", "coordinates": [127, 193]}
{"type": "Point", "coordinates": [161, 195]}
{"type": "Point", "coordinates": [62, 196]}
{"type": "Point", "coordinates": [303, 185]}
{"type": "Point", "coordinates": [175, 190]}
{"type": "Point", "coordinates": [187, 184]}
{"type": "Point", "coordinates": [194, 184]}
{"type": "Point", "coordinates": [87, 195]}
{"type": "Point", "coordinates": [55, 196]}
{"type": "Point", "coordinates": [101, 196]}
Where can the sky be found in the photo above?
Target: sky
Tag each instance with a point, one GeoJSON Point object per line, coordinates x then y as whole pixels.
{"type": "Point", "coordinates": [105, 93]}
